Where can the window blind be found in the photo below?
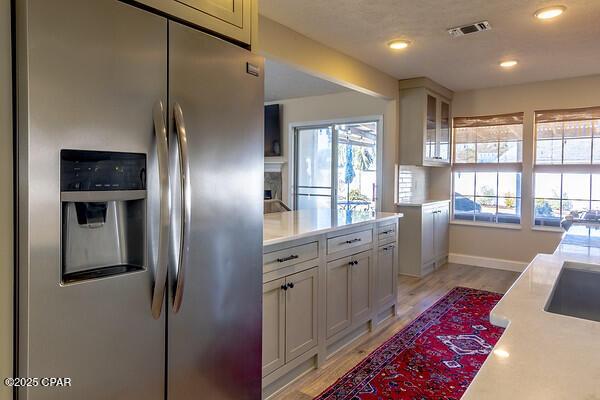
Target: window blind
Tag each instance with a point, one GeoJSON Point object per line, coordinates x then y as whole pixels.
{"type": "Point", "coordinates": [488, 120]}
{"type": "Point", "coordinates": [487, 134]}
{"type": "Point", "coordinates": [575, 114]}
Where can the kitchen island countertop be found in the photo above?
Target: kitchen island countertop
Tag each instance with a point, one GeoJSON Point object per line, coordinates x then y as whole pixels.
{"type": "Point", "coordinates": [542, 355]}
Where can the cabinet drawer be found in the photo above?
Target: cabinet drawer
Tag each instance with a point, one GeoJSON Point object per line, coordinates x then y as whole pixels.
{"type": "Point", "coordinates": [290, 256]}
{"type": "Point", "coordinates": [349, 241]}
{"type": "Point", "coordinates": [387, 232]}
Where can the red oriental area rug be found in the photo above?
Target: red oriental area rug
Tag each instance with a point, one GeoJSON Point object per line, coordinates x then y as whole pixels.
{"type": "Point", "coordinates": [435, 357]}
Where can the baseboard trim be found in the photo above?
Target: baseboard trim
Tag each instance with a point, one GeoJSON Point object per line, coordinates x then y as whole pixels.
{"type": "Point", "coordinates": [486, 262]}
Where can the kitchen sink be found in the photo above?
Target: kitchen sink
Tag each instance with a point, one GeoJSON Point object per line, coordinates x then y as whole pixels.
{"type": "Point", "coordinates": [576, 292]}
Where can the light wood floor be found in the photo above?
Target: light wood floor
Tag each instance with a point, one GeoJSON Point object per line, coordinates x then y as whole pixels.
{"type": "Point", "coordinates": [414, 296]}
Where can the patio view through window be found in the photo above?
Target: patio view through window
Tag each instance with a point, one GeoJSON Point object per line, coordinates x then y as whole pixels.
{"type": "Point", "coordinates": [567, 164]}
{"type": "Point", "coordinates": [336, 167]}
{"type": "Point", "coordinates": [488, 153]}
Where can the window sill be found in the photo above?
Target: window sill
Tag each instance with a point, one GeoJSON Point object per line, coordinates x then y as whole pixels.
{"type": "Point", "coordinates": [486, 224]}
{"type": "Point", "coordinates": [547, 229]}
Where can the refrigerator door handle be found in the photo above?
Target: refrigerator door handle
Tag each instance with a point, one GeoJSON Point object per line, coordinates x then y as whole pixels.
{"type": "Point", "coordinates": [160, 130]}
{"type": "Point", "coordinates": [184, 169]}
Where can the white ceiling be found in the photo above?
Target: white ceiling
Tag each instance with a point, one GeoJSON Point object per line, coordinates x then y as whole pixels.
{"type": "Point", "coordinates": [284, 82]}
{"type": "Point", "coordinates": [566, 47]}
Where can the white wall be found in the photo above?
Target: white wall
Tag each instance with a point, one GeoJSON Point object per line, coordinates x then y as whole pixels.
{"type": "Point", "coordinates": [283, 44]}
{"type": "Point", "coordinates": [6, 222]}
{"type": "Point", "coordinates": [346, 105]}
{"type": "Point", "coordinates": [523, 244]}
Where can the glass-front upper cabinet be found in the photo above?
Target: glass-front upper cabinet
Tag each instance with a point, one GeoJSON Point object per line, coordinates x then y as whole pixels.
{"type": "Point", "coordinates": [425, 130]}
{"type": "Point", "coordinates": [430, 135]}
{"type": "Point", "coordinates": [443, 138]}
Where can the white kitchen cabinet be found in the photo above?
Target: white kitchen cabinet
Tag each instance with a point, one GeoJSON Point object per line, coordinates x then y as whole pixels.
{"type": "Point", "coordinates": [338, 296]}
{"type": "Point", "coordinates": [229, 18]}
{"type": "Point", "coordinates": [434, 234]}
{"type": "Point", "coordinates": [443, 133]}
{"type": "Point", "coordinates": [273, 324]}
{"type": "Point", "coordinates": [424, 128]}
{"type": "Point", "coordinates": [386, 274]}
{"type": "Point", "coordinates": [289, 318]}
{"type": "Point", "coordinates": [322, 292]}
{"type": "Point", "coordinates": [349, 299]}
{"type": "Point", "coordinates": [428, 252]}
{"type": "Point", "coordinates": [360, 292]}
{"type": "Point", "coordinates": [442, 230]}
{"type": "Point", "coordinates": [300, 313]}
{"type": "Point", "coordinates": [428, 235]}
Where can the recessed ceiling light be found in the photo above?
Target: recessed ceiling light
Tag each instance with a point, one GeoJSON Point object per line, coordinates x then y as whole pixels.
{"type": "Point", "coordinates": [508, 63]}
{"type": "Point", "coordinates": [549, 12]}
{"type": "Point", "coordinates": [501, 353]}
{"type": "Point", "coordinates": [398, 44]}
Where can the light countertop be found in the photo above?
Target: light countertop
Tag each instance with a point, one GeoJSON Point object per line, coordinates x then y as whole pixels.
{"type": "Point", "coordinates": [291, 225]}
{"type": "Point", "coordinates": [419, 202]}
{"type": "Point", "coordinates": [543, 355]}
{"type": "Point", "coordinates": [582, 240]}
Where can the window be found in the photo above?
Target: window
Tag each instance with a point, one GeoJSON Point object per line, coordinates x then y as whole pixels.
{"type": "Point", "coordinates": [487, 168]}
{"type": "Point", "coordinates": [567, 164]}
{"type": "Point", "coordinates": [336, 166]}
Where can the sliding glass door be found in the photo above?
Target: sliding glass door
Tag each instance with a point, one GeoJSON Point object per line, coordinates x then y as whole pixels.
{"type": "Point", "coordinates": [335, 166]}
{"type": "Point", "coordinates": [313, 159]}
{"type": "Point", "coordinates": [356, 184]}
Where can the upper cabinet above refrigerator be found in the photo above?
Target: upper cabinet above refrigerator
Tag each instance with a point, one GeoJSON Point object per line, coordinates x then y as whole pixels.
{"type": "Point", "coordinates": [424, 127]}
{"type": "Point", "coordinates": [229, 18]}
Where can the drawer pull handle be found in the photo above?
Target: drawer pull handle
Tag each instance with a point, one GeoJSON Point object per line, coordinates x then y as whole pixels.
{"type": "Point", "coordinates": [284, 287]}
{"type": "Point", "coordinates": [388, 248]}
{"type": "Point", "coordinates": [288, 258]}
{"type": "Point", "coordinates": [353, 240]}
{"type": "Point", "coordinates": [387, 232]}
{"type": "Point", "coordinates": [290, 285]}
{"type": "Point", "coordinates": [353, 263]}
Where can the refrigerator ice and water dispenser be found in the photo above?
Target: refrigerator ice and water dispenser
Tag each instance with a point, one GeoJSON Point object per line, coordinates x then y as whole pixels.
{"type": "Point", "coordinates": [103, 196]}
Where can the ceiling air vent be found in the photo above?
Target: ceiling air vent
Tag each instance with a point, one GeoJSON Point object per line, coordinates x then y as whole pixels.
{"type": "Point", "coordinates": [471, 28]}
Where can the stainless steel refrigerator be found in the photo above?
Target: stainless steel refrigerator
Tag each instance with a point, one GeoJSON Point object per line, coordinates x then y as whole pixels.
{"type": "Point", "coordinates": [140, 180]}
